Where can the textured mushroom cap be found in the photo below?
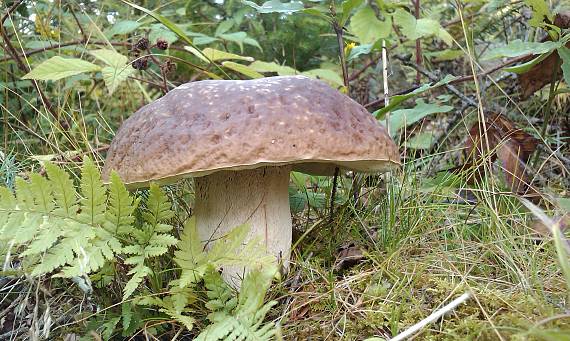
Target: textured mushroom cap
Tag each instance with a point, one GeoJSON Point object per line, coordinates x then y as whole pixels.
{"type": "Point", "coordinates": [202, 127]}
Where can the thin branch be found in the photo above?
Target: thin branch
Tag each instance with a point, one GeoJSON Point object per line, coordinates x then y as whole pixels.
{"type": "Point", "coordinates": [378, 103]}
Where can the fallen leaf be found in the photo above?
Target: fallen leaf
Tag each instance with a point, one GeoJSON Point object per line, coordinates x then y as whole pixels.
{"type": "Point", "coordinates": [542, 73]}
{"type": "Point", "coordinates": [348, 256]}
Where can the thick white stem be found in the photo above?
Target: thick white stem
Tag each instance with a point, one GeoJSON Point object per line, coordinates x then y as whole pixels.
{"type": "Point", "coordinates": [259, 197]}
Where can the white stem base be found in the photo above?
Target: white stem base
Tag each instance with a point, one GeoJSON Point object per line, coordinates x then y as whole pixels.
{"type": "Point", "coordinates": [259, 197]}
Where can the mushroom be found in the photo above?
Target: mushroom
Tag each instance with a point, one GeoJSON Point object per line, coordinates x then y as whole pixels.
{"type": "Point", "coordinates": [239, 140]}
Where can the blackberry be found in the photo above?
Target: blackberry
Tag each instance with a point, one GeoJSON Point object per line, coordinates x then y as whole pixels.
{"type": "Point", "coordinates": [141, 44]}
{"type": "Point", "coordinates": [162, 44]}
{"type": "Point", "coordinates": [140, 63]}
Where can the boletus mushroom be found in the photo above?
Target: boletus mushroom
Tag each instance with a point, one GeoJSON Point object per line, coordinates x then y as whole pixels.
{"type": "Point", "coordinates": [239, 139]}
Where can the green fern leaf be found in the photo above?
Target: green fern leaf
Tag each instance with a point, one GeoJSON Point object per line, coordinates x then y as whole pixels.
{"type": "Point", "coordinates": [63, 191]}
{"type": "Point", "coordinates": [119, 216]}
{"type": "Point", "coordinates": [158, 208]}
{"type": "Point", "coordinates": [41, 188]}
{"type": "Point", "coordinates": [138, 274]}
{"type": "Point", "coordinates": [93, 191]}
{"type": "Point", "coordinates": [245, 321]}
{"type": "Point", "coordinates": [25, 195]}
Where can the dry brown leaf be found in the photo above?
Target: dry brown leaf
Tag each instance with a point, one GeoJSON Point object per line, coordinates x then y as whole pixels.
{"type": "Point", "coordinates": [503, 140]}
{"type": "Point", "coordinates": [542, 73]}
{"type": "Point", "coordinates": [348, 256]}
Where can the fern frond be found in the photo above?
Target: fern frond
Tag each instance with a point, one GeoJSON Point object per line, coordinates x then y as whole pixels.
{"type": "Point", "coordinates": [151, 239]}
{"type": "Point", "coordinates": [43, 219]}
{"type": "Point", "coordinates": [41, 188]}
{"type": "Point", "coordinates": [93, 192]}
{"type": "Point", "coordinates": [229, 250]}
{"type": "Point", "coordinates": [243, 321]}
{"type": "Point", "coordinates": [64, 192]}
{"type": "Point", "coordinates": [119, 216]}
{"type": "Point", "coordinates": [138, 273]}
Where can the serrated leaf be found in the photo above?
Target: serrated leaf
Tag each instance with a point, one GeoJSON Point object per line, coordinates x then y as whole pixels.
{"type": "Point", "coordinates": [367, 27]}
{"type": "Point", "coordinates": [110, 57]}
{"type": "Point", "coordinates": [93, 192]}
{"type": "Point", "coordinates": [113, 77]}
{"type": "Point", "coordinates": [64, 192]}
{"type": "Point", "coordinates": [57, 68]}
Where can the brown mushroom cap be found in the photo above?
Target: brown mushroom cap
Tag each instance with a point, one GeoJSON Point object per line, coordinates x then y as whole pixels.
{"type": "Point", "coordinates": [203, 127]}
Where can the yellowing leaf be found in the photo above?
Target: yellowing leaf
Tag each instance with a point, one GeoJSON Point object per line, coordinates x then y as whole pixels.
{"type": "Point", "coordinates": [281, 70]}
{"type": "Point", "coordinates": [214, 55]}
{"type": "Point", "coordinates": [243, 69]}
{"type": "Point", "coordinates": [110, 57]}
{"type": "Point", "coordinates": [58, 67]}
{"type": "Point", "coordinates": [113, 76]}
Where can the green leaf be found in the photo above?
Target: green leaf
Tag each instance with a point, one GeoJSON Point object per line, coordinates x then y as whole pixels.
{"type": "Point", "coordinates": [93, 192]}
{"type": "Point", "coordinates": [119, 216]}
{"type": "Point", "coordinates": [63, 190]}
{"type": "Point", "coordinates": [525, 67]}
{"type": "Point", "coordinates": [444, 55]}
{"type": "Point", "coordinates": [281, 70]}
{"type": "Point", "coordinates": [360, 50]}
{"type": "Point", "coordinates": [110, 57]}
{"type": "Point", "coordinates": [236, 37]}
{"type": "Point", "coordinates": [57, 68]}
{"type": "Point", "coordinates": [406, 117]}
{"type": "Point", "coordinates": [122, 27]}
{"type": "Point", "coordinates": [423, 140]}
{"type": "Point", "coordinates": [160, 31]}
{"type": "Point", "coordinates": [367, 27]}
{"type": "Point", "coordinates": [395, 101]}
{"type": "Point", "coordinates": [243, 69]}
{"type": "Point", "coordinates": [327, 75]}
{"type": "Point", "coordinates": [564, 54]}
{"type": "Point", "coordinates": [113, 77]}
{"type": "Point", "coordinates": [215, 55]}
{"type": "Point", "coordinates": [224, 26]}
{"type": "Point", "coordinates": [540, 12]}
{"type": "Point", "coordinates": [519, 48]}
{"type": "Point", "coordinates": [276, 6]}
{"type": "Point", "coordinates": [414, 28]}
{"type": "Point", "coordinates": [347, 7]}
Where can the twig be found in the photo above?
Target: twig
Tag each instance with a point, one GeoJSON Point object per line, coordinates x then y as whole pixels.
{"type": "Point", "coordinates": [357, 73]}
{"type": "Point", "coordinates": [338, 30]}
{"type": "Point", "coordinates": [433, 78]}
{"type": "Point", "coordinates": [418, 44]}
{"type": "Point", "coordinates": [78, 23]}
{"type": "Point", "coordinates": [378, 103]}
{"type": "Point", "coordinates": [431, 318]}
